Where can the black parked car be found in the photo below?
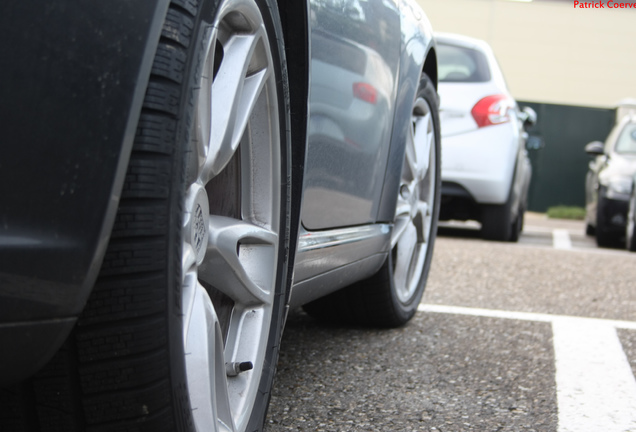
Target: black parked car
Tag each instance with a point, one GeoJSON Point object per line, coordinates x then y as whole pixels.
{"type": "Point", "coordinates": [630, 226]}
{"type": "Point", "coordinates": [609, 183]}
{"type": "Point", "coordinates": [176, 174]}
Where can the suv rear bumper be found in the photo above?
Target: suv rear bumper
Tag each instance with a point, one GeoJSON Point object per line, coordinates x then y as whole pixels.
{"type": "Point", "coordinates": [482, 161]}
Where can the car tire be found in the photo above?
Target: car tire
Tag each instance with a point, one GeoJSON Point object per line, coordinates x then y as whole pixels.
{"type": "Point", "coordinates": [630, 237]}
{"type": "Point", "coordinates": [589, 230]}
{"type": "Point", "coordinates": [605, 237]}
{"type": "Point", "coordinates": [182, 329]}
{"type": "Point", "coordinates": [517, 225]}
{"type": "Point", "coordinates": [391, 296]}
{"type": "Point", "coordinates": [497, 223]}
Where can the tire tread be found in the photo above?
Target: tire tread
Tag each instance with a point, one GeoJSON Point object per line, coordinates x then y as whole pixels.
{"type": "Point", "coordinates": [112, 374]}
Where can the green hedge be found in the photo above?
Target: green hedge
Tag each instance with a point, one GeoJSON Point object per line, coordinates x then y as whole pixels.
{"type": "Point", "coordinates": [566, 212]}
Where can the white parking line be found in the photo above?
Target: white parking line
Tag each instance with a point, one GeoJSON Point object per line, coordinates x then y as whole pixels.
{"type": "Point", "coordinates": [596, 389]}
{"type": "Point", "coordinates": [561, 239]}
{"type": "Point", "coordinates": [524, 316]}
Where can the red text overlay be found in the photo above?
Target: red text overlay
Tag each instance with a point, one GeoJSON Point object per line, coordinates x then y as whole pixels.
{"type": "Point", "coordinates": [611, 4]}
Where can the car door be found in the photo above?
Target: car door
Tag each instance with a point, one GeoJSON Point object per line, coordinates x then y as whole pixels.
{"type": "Point", "coordinates": [355, 51]}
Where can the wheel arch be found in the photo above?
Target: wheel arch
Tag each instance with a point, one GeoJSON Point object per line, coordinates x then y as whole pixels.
{"type": "Point", "coordinates": [411, 69]}
{"type": "Point", "coordinates": [430, 66]}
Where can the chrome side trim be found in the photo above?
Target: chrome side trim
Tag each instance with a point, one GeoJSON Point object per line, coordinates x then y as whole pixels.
{"type": "Point", "coordinates": [323, 251]}
{"type": "Point", "coordinates": [322, 239]}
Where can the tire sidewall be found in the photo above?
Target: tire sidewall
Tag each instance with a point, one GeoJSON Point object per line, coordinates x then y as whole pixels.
{"type": "Point", "coordinates": [496, 219]}
{"type": "Point", "coordinates": [604, 237]}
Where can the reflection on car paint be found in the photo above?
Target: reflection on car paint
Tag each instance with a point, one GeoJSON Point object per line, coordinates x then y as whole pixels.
{"type": "Point", "coordinates": [353, 68]}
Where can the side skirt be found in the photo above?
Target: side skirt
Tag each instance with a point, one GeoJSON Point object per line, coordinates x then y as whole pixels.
{"type": "Point", "coordinates": [329, 260]}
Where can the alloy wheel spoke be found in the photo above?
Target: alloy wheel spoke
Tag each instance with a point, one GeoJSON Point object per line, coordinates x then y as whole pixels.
{"type": "Point", "coordinates": [411, 156]}
{"type": "Point", "coordinates": [399, 228]}
{"type": "Point", "coordinates": [240, 260]}
{"type": "Point", "coordinates": [422, 142]}
{"type": "Point", "coordinates": [423, 221]}
{"type": "Point", "coordinates": [430, 139]}
{"type": "Point", "coordinates": [237, 86]}
{"type": "Point", "coordinates": [204, 112]}
{"type": "Point", "coordinates": [405, 250]}
{"type": "Point", "coordinates": [204, 354]}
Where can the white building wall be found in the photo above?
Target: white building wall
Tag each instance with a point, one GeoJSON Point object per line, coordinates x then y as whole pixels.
{"type": "Point", "coordinates": [550, 51]}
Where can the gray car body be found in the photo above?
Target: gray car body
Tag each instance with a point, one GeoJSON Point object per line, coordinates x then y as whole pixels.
{"type": "Point", "coordinates": [355, 150]}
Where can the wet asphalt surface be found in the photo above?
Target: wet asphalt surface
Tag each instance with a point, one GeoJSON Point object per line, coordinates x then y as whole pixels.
{"type": "Point", "coordinates": [455, 372]}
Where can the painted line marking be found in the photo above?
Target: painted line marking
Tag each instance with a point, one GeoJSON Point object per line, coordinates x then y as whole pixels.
{"type": "Point", "coordinates": [561, 239]}
{"type": "Point", "coordinates": [596, 389]}
{"type": "Point", "coordinates": [523, 316]}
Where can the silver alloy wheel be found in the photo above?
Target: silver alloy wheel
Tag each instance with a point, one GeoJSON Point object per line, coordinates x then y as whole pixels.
{"type": "Point", "coordinates": [414, 213]}
{"type": "Point", "coordinates": [230, 251]}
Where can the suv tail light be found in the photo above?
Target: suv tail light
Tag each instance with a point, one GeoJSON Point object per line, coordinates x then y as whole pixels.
{"type": "Point", "coordinates": [492, 110]}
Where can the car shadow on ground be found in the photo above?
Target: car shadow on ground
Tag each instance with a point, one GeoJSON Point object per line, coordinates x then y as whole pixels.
{"type": "Point", "coordinates": [468, 232]}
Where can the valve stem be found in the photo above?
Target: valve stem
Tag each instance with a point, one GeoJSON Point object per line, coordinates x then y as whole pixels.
{"type": "Point", "coordinates": [234, 368]}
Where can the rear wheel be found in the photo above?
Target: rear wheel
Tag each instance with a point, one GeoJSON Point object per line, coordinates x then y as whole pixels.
{"type": "Point", "coordinates": [182, 330]}
{"type": "Point", "coordinates": [391, 296]}
{"type": "Point", "coordinates": [497, 223]}
{"type": "Point", "coordinates": [630, 237]}
{"type": "Point", "coordinates": [517, 225]}
{"type": "Point", "coordinates": [605, 236]}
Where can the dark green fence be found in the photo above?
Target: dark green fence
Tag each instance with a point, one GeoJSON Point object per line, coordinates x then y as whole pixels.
{"type": "Point", "coordinates": [556, 144]}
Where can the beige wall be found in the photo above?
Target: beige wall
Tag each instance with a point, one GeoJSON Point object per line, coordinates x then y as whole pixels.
{"type": "Point", "coordinates": [550, 51]}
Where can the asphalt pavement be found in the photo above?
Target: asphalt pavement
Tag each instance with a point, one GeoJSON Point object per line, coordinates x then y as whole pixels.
{"type": "Point", "coordinates": [538, 335]}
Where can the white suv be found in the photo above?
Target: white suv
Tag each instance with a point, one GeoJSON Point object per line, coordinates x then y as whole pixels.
{"type": "Point", "coordinates": [485, 167]}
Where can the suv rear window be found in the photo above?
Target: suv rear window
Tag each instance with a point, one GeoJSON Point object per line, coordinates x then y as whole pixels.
{"type": "Point", "coordinates": [460, 64]}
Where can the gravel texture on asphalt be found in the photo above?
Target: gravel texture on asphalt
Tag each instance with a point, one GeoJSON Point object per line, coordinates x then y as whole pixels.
{"type": "Point", "coordinates": [438, 373]}
{"type": "Point", "coordinates": [492, 275]}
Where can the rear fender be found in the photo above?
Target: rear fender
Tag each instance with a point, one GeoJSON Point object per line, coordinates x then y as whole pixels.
{"type": "Point", "coordinates": [417, 56]}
